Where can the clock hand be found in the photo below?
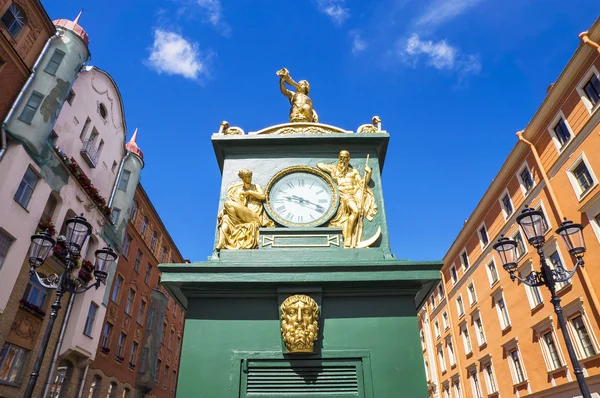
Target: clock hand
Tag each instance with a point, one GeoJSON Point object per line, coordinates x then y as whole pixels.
{"type": "Point", "coordinates": [302, 200]}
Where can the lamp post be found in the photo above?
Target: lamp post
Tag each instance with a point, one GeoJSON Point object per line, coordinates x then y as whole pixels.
{"type": "Point", "coordinates": [532, 223]}
{"type": "Point", "coordinates": [78, 230]}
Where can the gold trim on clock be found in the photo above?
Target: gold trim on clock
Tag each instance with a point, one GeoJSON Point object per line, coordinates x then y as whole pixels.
{"type": "Point", "coordinates": [335, 197]}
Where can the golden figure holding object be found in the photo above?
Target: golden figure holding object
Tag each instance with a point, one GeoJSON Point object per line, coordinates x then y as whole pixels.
{"type": "Point", "coordinates": [242, 215]}
{"type": "Point", "coordinates": [299, 323]}
{"type": "Point", "coordinates": [302, 109]}
{"type": "Point", "coordinates": [356, 200]}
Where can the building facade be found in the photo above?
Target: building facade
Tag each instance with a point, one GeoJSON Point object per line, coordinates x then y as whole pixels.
{"type": "Point", "coordinates": [483, 335]}
{"type": "Point", "coordinates": [56, 167]}
{"type": "Point", "coordinates": [24, 30]}
{"type": "Point", "coordinates": [142, 332]}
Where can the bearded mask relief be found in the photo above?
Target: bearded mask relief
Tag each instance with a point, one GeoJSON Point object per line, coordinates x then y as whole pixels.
{"type": "Point", "coordinates": [299, 323]}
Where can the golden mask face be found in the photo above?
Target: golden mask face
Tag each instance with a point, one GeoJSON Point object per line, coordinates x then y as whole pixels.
{"type": "Point", "coordinates": [299, 323]}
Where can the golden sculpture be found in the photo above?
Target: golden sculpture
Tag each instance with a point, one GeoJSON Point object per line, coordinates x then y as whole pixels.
{"type": "Point", "coordinates": [302, 108]}
{"type": "Point", "coordinates": [226, 129]}
{"type": "Point", "coordinates": [299, 323]}
{"type": "Point", "coordinates": [374, 127]}
{"type": "Point", "coordinates": [242, 215]}
{"type": "Point", "coordinates": [356, 200]}
{"type": "Point", "coordinates": [301, 128]}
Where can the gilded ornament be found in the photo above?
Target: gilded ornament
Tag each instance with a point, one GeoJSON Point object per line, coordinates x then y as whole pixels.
{"type": "Point", "coordinates": [302, 109]}
{"type": "Point", "coordinates": [299, 323]}
{"type": "Point", "coordinates": [374, 127]}
{"type": "Point", "coordinates": [242, 215]}
{"type": "Point", "coordinates": [226, 129]}
{"type": "Point", "coordinates": [301, 128]}
{"type": "Point", "coordinates": [357, 201]}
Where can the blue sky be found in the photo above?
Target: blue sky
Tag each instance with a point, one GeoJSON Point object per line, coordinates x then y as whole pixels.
{"type": "Point", "coordinates": [452, 80]}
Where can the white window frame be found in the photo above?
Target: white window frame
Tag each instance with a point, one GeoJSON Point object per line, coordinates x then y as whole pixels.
{"type": "Point", "coordinates": [441, 359]}
{"type": "Point", "coordinates": [489, 273]}
{"type": "Point", "coordinates": [454, 281]}
{"type": "Point", "coordinates": [483, 363]}
{"type": "Point", "coordinates": [524, 166]}
{"type": "Point", "coordinates": [511, 365]}
{"type": "Point", "coordinates": [457, 387]}
{"type": "Point", "coordinates": [540, 206]}
{"type": "Point", "coordinates": [451, 352]}
{"type": "Point", "coordinates": [460, 259]}
{"type": "Point", "coordinates": [477, 315]}
{"type": "Point", "coordinates": [472, 370]}
{"type": "Point", "coordinates": [573, 180]}
{"type": "Point", "coordinates": [6, 241]}
{"type": "Point", "coordinates": [560, 115]}
{"type": "Point", "coordinates": [524, 271]}
{"type": "Point", "coordinates": [445, 320]}
{"type": "Point", "coordinates": [436, 327]}
{"type": "Point", "coordinates": [472, 300]}
{"type": "Point", "coordinates": [466, 338]}
{"type": "Point", "coordinates": [573, 310]}
{"type": "Point", "coordinates": [591, 108]}
{"type": "Point", "coordinates": [446, 389]}
{"type": "Point", "coordinates": [460, 303]}
{"type": "Point", "coordinates": [504, 211]}
{"type": "Point", "coordinates": [503, 322]}
{"type": "Point", "coordinates": [548, 251]}
{"type": "Point", "coordinates": [591, 213]}
{"type": "Point", "coordinates": [513, 236]}
{"type": "Point", "coordinates": [483, 245]}
{"type": "Point", "coordinates": [546, 350]}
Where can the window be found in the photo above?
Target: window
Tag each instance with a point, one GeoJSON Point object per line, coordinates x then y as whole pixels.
{"type": "Point", "coordinates": [104, 341]}
{"type": "Point", "coordinates": [581, 177]}
{"type": "Point", "coordinates": [562, 133]}
{"type": "Point", "coordinates": [432, 302]}
{"type": "Point", "coordinates": [457, 389]}
{"type": "Point", "coordinates": [441, 359]}
{"type": "Point", "coordinates": [70, 97]}
{"type": "Point", "coordinates": [464, 259]}
{"type": "Point", "coordinates": [525, 179]}
{"type": "Point", "coordinates": [144, 360]}
{"type": "Point", "coordinates": [140, 318]}
{"type": "Point", "coordinates": [476, 386]}
{"type": "Point", "coordinates": [453, 274]}
{"type": "Point", "coordinates": [483, 238]}
{"type": "Point", "coordinates": [518, 375]}
{"type": "Point", "coordinates": [113, 167]}
{"type": "Point", "coordinates": [117, 289]}
{"type": "Point", "coordinates": [480, 332]}
{"type": "Point", "coordinates": [114, 217]}
{"type": "Point", "coordinates": [447, 392]}
{"type": "Point", "coordinates": [502, 313]}
{"type": "Point", "coordinates": [451, 355]}
{"type": "Point", "coordinates": [445, 320]}
{"type": "Point", "coordinates": [166, 376]}
{"type": "Point", "coordinates": [148, 272]}
{"type": "Point", "coordinates": [54, 62]}
{"type": "Point", "coordinates": [5, 242]}
{"type": "Point", "coordinates": [133, 212]}
{"type": "Point", "coordinates": [31, 107]}
{"type": "Point", "coordinates": [492, 272]}
{"type": "Point", "coordinates": [592, 89]}
{"type": "Point", "coordinates": [521, 249]}
{"type": "Point", "coordinates": [144, 225]}
{"type": "Point", "coordinates": [557, 265]}
{"type": "Point", "coordinates": [163, 254]}
{"type": "Point", "coordinates": [157, 374]}
{"type": "Point", "coordinates": [466, 339]}
{"type": "Point", "coordinates": [89, 322]}
{"type": "Point", "coordinates": [460, 306]}
{"type": "Point", "coordinates": [150, 319]}
{"type": "Point", "coordinates": [472, 294]}
{"type": "Point", "coordinates": [555, 362]}
{"type": "Point", "coordinates": [35, 293]}
{"type": "Point", "coordinates": [436, 326]}
{"type": "Point", "coordinates": [124, 181]}
{"type": "Point", "coordinates": [490, 379]}
{"type": "Point", "coordinates": [583, 337]}
{"type": "Point", "coordinates": [153, 240]}
{"type": "Point", "coordinates": [171, 339]}
{"type": "Point", "coordinates": [178, 346]}
{"type": "Point", "coordinates": [126, 244]}
{"type": "Point", "coordinates": [138, 259]}
{"type": "Point", "coordinates": [112, 390]}
{"type": "Point", "coordinates": [95, 387]}
{"type": "Point", "coordinates": [121, 344]}
{"type": "Point", "coordinates": [102, 111]}
{"type": "Point", "coordinates": [84, 130]}
{"type": "Point", "coordinates": [12, 362]}
{"type": "Point", "coordinates": [545, 222]}
{"type": "Point", "coordinates": [533, 292]}
{"type": "Point", "coordinates": [440, 290]}
{"type": "Point", "coordinates": [126, 392]}
{"type": "Point", "coordinates": [130, 298]}
{"type": "Point", "coordinates": [173, 381]}
{"type": "Point", "coordinates": [132, 357]}
{"type": "Point", "coordinates": [26, 187]}
{"type": "Point", "coordinates": [163, 332]}
{"type": "Point", "coordinates": [507, 206]}
{"type": "Point", "coordinates": [14, 20]}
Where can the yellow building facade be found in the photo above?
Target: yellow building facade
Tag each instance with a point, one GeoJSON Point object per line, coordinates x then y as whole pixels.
{"type": "Point", "coordinates": [483, 335]}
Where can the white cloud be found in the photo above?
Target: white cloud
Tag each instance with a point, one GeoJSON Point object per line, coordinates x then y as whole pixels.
{"type": "Point", "coordinates": [334, 9]}
{"type": "Point", "coordinates": [358, 43]}
{"type": "Point", "coordinates": [440, 11]}
{"type": "Point", "coordinates": [440, 55]}
{"type": "Point", "coordinates": [213, 10]}
{"type": "Point", "coordinates": [172, 54]}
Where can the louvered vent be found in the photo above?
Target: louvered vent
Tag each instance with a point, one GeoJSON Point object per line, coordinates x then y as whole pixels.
{"type": "Point", "coordinates": [311, 381]}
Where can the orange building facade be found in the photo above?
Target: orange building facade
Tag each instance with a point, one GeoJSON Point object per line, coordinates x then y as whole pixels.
{"type": "Point", "coordinates": [482, 334]}
{"type": "Point", "coordinates": [140, 345]}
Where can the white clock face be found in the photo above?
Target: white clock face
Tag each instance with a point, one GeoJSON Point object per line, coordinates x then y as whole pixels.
{"type": "Point", "coordinates": [301, 198]}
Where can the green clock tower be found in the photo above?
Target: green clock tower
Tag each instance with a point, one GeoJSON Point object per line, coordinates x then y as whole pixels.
{"type": "Point", "coordinates": [302, 296]}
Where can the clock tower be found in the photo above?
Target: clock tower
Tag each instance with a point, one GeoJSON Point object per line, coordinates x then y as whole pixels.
{"type": "Point", "coordinates": [302, 296]}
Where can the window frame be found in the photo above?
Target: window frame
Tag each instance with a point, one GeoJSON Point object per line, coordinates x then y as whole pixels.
{"type": "Point", "coordinates": [27, 188]}
{"type": "Point", "coordinates": [522, 184]}
{"type": "Point", "coordinates": [451, 352]}
{"type": "Point", "coordinates": [126, 246]}
{"type": "Point", "coordinates": [466, 338]}
{"type": "Point", "coordinates": [480, 332]}
{"type": "Point", "coordinates": [513, 236]}
{"type": "Point", "coordinates": [141, 312]}
{"type": "Point", "coordinates": [540, 206]}
{"type": "Point", "coordinates": [20, 360]}
{"type": "Point", "coordinates": [475, 382]}
{"type": "Point", "coordinates": [6, 241]}
{"type": "Point", "coordinates": [505, 213]}
{"type": "Point", "coordinates": [579, 192]}
{"type": "Point", "coordinates": [116, 293]}
{"type": "Point", "coordinates": [90, 319]}
{"type": "Point", "coordinates": [518, 377]}
{"type": "Point", "coordinates": [453, 274]}
{"type": "Point", "coordinates": [138, 260]}
{"type": "Point", "coordinates": [491, 279]}
{"type": "Point", "coordinates": [560, 147]}
{"type": "Point", "coordinates": [575, 310]}
{"type": "Point", "coordinates": [124, 182]}
{"type": "Point", "coordinates": [503, 315]}
{"type": "Point", "coordinates": [491, 382]}
{"type": "Point", "coordinates": [18, 8]}
{"type": "Point", "coordinates": [524, 271]}
{"type": "Point", "coordinates": [445, 320]}
{"type": "Point", "coordinates": [52, 71]}
{"type": "Point", "coordinates": [464, 256]}
{"type": "Point", "coordinates": [591, 108]}
{"type": "Point", "coordinates": [104, 337]}
{"type": "Point", "coordinates": [472, 300]}
{"type": "Point", "coordinates": [130, 303]}
{"type": "Point", "coordinates": [30, 108]}
{"type": "Point", "coordinates": [441, 358]}
{"type": "Point", "coordinates": [460, 306]}
{"type": "Point", "coordinates": [547, 352]}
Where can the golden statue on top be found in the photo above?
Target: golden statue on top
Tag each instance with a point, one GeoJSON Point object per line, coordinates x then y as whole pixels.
{"type": "Point", "coordinates": [302, 109]}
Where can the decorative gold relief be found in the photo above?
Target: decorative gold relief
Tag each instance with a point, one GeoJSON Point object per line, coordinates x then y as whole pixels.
{"type": "Point", "coordinates": [242, 215]}
{"type": "Point", "coordinates": [302, 108]}
{"type": "Point", "coordinates": [299, 323]}
{"type": "Point", "coordinates": [226, 129]}
{"type": "Point", "coordinates": [301, 128]}
{"type": "Point", "coordinates": [356, 200]}
{"type": "Point", "coordinates": [374, 127]}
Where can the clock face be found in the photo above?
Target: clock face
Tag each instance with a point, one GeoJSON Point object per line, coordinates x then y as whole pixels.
{"type": "Point", "coordinates": [301, 196]}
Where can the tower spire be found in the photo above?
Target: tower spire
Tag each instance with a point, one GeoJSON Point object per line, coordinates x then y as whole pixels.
{"type": "Point", "coordinates": [78, 17]}
{"type": "Point", "coordinates": [132, 147]}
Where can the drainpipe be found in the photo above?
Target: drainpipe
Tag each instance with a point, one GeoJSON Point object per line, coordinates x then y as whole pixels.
{"type": "Point", "coordinates": [61, 337]}
{"type": "Point", "coordinates": [114, 190]}
{"type": "Point", "coordinates": [586, 40]}
{"type": "Point", "coordinates": [82, 382]}
{"type": "Point", "coordinates": [584, 274]}
{"type": "Point", "coordinates": [3, 144]}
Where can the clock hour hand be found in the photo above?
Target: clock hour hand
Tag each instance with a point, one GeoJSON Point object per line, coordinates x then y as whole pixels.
{"type": "Point", "coordinates": [319, 208]}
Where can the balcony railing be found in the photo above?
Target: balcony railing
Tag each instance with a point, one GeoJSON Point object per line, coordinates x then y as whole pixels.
{"type": "Point", "coordinates": [90, 153]}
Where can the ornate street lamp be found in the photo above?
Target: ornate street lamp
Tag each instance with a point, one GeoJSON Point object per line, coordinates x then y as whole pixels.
{"type": "Point", "coordinates": [532, 223]}
{"type": "Point", "coordinates": [78, 230]}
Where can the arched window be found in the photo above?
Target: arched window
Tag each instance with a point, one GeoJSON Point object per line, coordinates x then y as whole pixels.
{"type": "Point", "coordinates": [60, 383]}
{"type": "Point", "coordinates": [14, 20]}
{"type": "Point", "coordinates": [112, 390]}
{"type": "Point", "coordinates": [102, 111]}
{"type": "Point", "coordinates": [95, 387]}
{"type": "Point", "coordinates": [126, 392]}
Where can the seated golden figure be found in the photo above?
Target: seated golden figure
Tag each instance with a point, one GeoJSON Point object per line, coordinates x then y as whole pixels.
{"type": "Point", "coordinates": [302, 109]}
{"type": "Point", "coordinates": [242, 215]}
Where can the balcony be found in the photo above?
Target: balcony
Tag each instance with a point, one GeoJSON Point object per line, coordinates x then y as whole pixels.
{"type": "Point", "coordinates": [90, 153]}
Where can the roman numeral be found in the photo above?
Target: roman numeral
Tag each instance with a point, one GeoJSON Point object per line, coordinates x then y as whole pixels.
{"type": "Point", "coordinates": [280, 209]}
{"type": "Point", "coordinates": [301, 182]}
{"type": "Point", "coordinates": [289, 184]}
{"type": "Point", "coordinates": [289, 216]}
{"type": "Point", "coordinates": [311, 216]}
{"type": "Point", "coordinates": [322, 200]}
{"type": "Point", "coordinates": [300, 219]}
{"type": "Point", "coordinates": [277, 200]}
{"type": "Point", "coordinates": [320, 192]}
{"type": "Point", "coordinates": [311, 185]}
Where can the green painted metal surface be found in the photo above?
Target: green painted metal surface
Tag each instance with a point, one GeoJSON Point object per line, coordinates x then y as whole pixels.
{"type": "Point", "coordinates": [368, 333]}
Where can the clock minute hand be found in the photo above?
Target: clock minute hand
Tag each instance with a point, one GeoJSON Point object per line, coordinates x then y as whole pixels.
{"type": "Point", "coordinates": [302, 200]}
